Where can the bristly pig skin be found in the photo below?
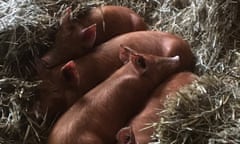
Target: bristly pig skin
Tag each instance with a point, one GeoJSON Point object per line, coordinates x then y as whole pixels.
{"type": "Point", "coordinates": [90, 70]}
{"type": "Point", "coordinates": [98, 115]}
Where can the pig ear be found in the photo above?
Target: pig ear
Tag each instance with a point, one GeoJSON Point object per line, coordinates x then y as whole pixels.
{"type": "Point", "coordinates": [139, 63]}
{"type": "Point", "coordinates": [125, 136]}
{"type": "Point", "coordinates": [173, 60]}
{"type": "Point", "coordinates": [124, 53]}
{"type": "Point", "coordinates": [65, 20]}
{"type": "Point", "coordinates": [88, 35]}
{"type": "Point", "coordinates": [69, 73]}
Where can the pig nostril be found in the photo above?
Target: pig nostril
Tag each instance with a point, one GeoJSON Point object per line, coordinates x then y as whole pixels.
{"type": "Point", "coordinates": [47, 61]}
{"type": "Point", "coordinates": [46, 64]}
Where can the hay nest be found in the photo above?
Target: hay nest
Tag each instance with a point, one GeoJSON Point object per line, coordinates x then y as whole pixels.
{"type": "Point", "coordinates": [204, 112]}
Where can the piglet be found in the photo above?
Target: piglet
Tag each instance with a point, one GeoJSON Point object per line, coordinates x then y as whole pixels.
{"type": "Point", "coordinates": [136, 132]}
{"type": "Point", "coordinates": [98, 115]}
{"type": "Point", "coordinates": [77, 37]}
{"type": "Point", "coordinates": [81, 75]}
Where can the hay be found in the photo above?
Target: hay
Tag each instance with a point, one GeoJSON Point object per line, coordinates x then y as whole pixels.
{"type": "Point", "coordinates": [205, 112]}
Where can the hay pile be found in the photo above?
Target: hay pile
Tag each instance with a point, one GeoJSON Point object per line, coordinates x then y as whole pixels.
{"type": "Point", "coordinates": [204, 112]}
{"type": "Point", "coordinates": [208, 110]}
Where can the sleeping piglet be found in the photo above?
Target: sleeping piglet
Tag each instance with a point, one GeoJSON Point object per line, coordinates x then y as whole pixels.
{"type": "Point", "coordinates": [136, 132]}
{"type": "Point", "coordinates": [77, 37]}
{"type": "Point", "coordinates": [99, 114]}
{"type": "Point", "coordinates": [83, 74]}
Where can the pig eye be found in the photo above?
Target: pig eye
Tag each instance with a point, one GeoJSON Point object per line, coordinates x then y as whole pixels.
{"type": "Point", "coordinates": [141, 62]}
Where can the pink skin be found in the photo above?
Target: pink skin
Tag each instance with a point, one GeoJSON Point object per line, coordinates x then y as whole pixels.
{"type": "Point", "coordinates": [76, 38]}
{"type": "Point", "coordinates": [90, 70]}
{"type": "Point", "coordinates": [136, 132]}
{"type": "Point", "coordinates": [99, 114]}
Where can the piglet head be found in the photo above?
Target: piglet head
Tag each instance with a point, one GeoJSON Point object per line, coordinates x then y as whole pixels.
{"type": "Point", "coordinates": [82, 37]}
{"type": "Point", "coordinates": [71, 41]}
{"type": "Point", "coordinates": [55, 96]}
{"type": "Point", "coordinates": [153, 67]}
{"type": "Point", "coordinates": [126, 136]}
